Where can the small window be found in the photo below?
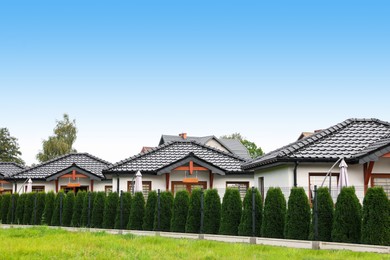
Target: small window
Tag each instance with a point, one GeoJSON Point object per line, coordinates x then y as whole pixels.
{"type": "Point", "coordinates": [108, 188]}
{"type": "Point", "coordinates": [38, 188]}
{"type": "Point", "coordinates": [318, 179]}
{"type": "Point", "coordinates": [241, 186]}
{"type": "Point", "coordinates": [146, 187]}
{"type": "Point", "coordinates": [382, 181]}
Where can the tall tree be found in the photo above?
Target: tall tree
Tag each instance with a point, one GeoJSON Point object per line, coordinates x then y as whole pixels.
{"type": "Point", "coordinates": [65, 134]}
{"type": "Point", "coordinates": [9, 148]}
{"type": "Point", "coordinates": [253, 150]}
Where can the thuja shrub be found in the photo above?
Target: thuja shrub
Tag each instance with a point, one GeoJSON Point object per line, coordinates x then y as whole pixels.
{"type": "Point", "coordinates": [325, 215]}
{"type": "Point", "coordinates": [150, 209]}
{"type": "Point", "coordinates": [376, 217]}
{"type": "Point", "coordinates": [58, 208]}
{"type": "Point", "coordinates": [68, 208]}
{"type": "Point", "coordinates": [20, 209]}
{"type": "Point", "coordinates": [110, 207]}
{"type": "Point", "coordinates": [298, 215]}
{"type": "Point", "coordinates": [166, 204]}
{"type": "Point", "coordinates": [274, 214]}
{"type": "Point", "coordinates": [137, 212]}
{"type": "Point", "coordinates": [193, 216]}
{"type": "Point", "coordinates": [39, 206]}
{"type": "Point", "coordinates": [11, 214]}
{"type": "Point", "coordinates": [347, 217]}
{"type": "Point", "coordinates": [86, 213]}
{"type": "Point", "coordinates": [126, 207]}
{"type": "Point", "coordinates": [77, 209]}
{"type": "Point", "coordinates": [231, 212]}
{"type": "Point", "coordinates": [98, 210]}
{"type": "Point", "coordinates": [28, 208]}
{"type": "Point", "coordinates": [245, 228]}
{"type": "Point", "coordinates": [4, 207]}
{"type": "Point", "coordinates": [49, 208]}
{"type": "Point", "coordinates": [212, 211]}
{"type": "Point", "coordinates": [180, 211]}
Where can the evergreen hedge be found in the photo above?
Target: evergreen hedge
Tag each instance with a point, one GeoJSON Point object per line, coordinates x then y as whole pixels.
{"type": "Point", "coordinates": [193, 216]}
{"type": "Point", "coordinates": [77, 209]}
{"type": "Point", "coordinates": [325, 215]}
{"type": "Point", "coordinates": [347, 217]}
{"type": "Point", "coordinates": [274, 214]}
{"type": "Point", "coordinates": [98, 210]}
{"type": "Point", "coordinates": [110, 208]}
{"type": "Point", "coordinates": [212, 211]}
{"type": "Point", "coordinates": [4, 207]}
{"type": "Point", "coordinates": [1, 198]}
{"type": "Point", "coordinates": [20, 209]}
{"type": "Point", "coordinates": [137, 212]}
{"type": "Point", "coordinates": [126, 206]}
{"type": "Point", "coordinates": [68, 209]}
{"type": "Point", "coordinates": [150, 209]}
{"type": "Point", "coordinates": [180, 211]}
{"type": "Point", "coordinates": [298, 215]}
{"type": "Point", "coordinates": [28, 208]}
{"type": "Point", "coordinates": [36, 217]}
{"type": "Point", "coordinates": [376, 217]}
{"type": "Point", "coordinates": [49, 208]}
{"type": "Point", "coordinates": [245, 228]}
{"type": "Point", "coordinates": [231, 212]}
{"type": "Point", "coordinates": [11, 214]}
{"type": "Point", "coordinates": [85, 213]}
{"type": "Point", "coordinates": [55, 219]}
{"type": "Point", "coordinates": [166, 204]}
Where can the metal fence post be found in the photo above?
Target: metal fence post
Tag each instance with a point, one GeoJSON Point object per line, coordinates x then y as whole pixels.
{"type": "Point", "coordinates": [121, 211]}
{"type": "Point", "coordinates": [12, 208]}
{"type": "Point", "coordinates": [35, 209]}
{"type": "Point", "coordinates": [89, 209]}
{"type": "Point", "coordinates": [201, 212]}
{"type": "Point", "coordinates": [158, 210]}
{"type": "Point", "coordinates": [61, 209]}
{"type": "Point", "coordinates": [253, 213]}
{"type": "Point", "coordinates": [315, 214]}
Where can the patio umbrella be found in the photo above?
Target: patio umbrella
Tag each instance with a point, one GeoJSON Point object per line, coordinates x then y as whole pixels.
{"type": "Point", "coordinates": [343, 178]}
{"type": "Point", "coordinates": [29, 186]}
{"type": "Point", "coordinates": [138, 182]}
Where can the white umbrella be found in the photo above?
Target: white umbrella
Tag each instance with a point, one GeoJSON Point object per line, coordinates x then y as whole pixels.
{"type": "Point", "coordinates": [138, 182]}
{"type": "Point", "coordinates": [343, 178]}
{"type": "Point", "coordinates": [29, 186]}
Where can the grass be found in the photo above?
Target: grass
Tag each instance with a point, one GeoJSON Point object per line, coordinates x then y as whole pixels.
{"type": "Point", "coordinates": [46, 243]}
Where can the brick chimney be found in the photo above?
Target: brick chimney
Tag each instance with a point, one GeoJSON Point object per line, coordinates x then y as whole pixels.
{"type": "Point", "coordinates": [183, 135]}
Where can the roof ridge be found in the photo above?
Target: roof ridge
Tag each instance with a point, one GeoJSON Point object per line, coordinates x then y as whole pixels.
{"type": "Point", "coordinates": [15, 164]}
{"type": "Point", "coordinates": [96, 158]}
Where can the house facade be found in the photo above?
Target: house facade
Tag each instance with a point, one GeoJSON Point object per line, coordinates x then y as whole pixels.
{"type": "Point", "coordinates": [8, 169]}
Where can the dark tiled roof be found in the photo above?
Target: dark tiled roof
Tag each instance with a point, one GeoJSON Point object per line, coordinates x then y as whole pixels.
{"type": "Point", "coordinates": [85, 161]}
{"type": "Point", "coordinates": [8, 169]}
{"type": "Point", "coordinates": [236, 147]}
{"type": "Point", "coordinates": [171, 152]}
{"type": "Point", "coordinates": [351, 139]}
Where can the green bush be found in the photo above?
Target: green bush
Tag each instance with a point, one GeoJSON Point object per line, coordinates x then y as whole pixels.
{"type": "Point", "coordinates": [85, 213]}
{"type": "Point", "coordinates": [68, 209]}
{"type": "Point", "coordinates": [298, 215]}
{"type": "Point", "coordinates": [231, 212]}
{"type": "Point", "coordinates": [137, 212]}
{"type": "Point", "coordinates": [77, 209]}
{"type": "Point", "coordinates": [166, 203]}
{"type": "Point", "coordinates": [212, 211]}
{"type": "Point", "coordinates": [347, 217]}
{"type": "Point", "coordinates": [1, 197]}
{"type": "Point", "coordinates": [98, 210]}
{"type": "Point", "coordinates": [149, 211]}
{"type": "Point", "coordinates": [325, 215]}
{"type": "Point", "coordinates": [49, 208]}
{"type": "Point", "coordinates": [28, 208]}
{"type": "Point", "coordinates": [20, 209]}
{"type": "Point", "coordinates": [274, 214]}
{"type": "Point", "coordinates": [126, 207]}
{"type": "Point", "coordinates": [193, 216]}
{"type": "Point", "coordinates": [376, 217]}
{"type": "Point", "coordinates": [36, 217]}
{"type": "Point", "coordinates": [245, 228]}
{"type": "Point", "coordinates": [110, 207]}
{"type": "Point", "coordinates": [180, 211]}
{"type": "Point", "coordinates": [4, 207]}
{"type": "Point", "coordinates": [58, 207]}
{"type": "Point", "coordinates": [12, 208]}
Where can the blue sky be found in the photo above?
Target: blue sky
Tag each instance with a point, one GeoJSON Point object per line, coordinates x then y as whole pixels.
{"type": "Point", "coordinates": [129, 71]}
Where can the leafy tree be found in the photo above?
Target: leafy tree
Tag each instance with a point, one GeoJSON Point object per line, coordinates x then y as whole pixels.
{"type": "Point", "coordinates": [9, 148]}
{"type": "Point", "coordinates": [376, 217]}
{"type": "Point", "coordinates": [231, 212]}
{"type": "Point", "coordinates": [77, 209]}
{"type": "Point", "coordinates": [274, 214]}
{"type": "Point", "coordinates": [180, 210]}
{"type": "Point", "coordinates": [87, 214]}
{"type": "Point", "coordinates": [110, 208]}
{"type": "Point", "coordinates": [126, 207]}
{"type": "Point", "coordinates": [245, 227]}
{"type": "Point", "coordinates": [298, 215]}
{"type": "Point", "coordinates": [212, 211]}
{"type": "Point", "coordinates": [137, 212]}
{"type": "Point", "coordinates": [49, 208]}
{"type": "Point", "coordinates": [253, 150]}
{"type": "Point", "coordinates": [61, 142]}
{"type": "Point", "coordinates": [325, 215]}
{"type": "Point", "coordinates": [36, 217]}
{"type": "Point", "coordinates": [58, 207]}
{"type": "Point", "coordinates": [11, 215]}
{"type": "Point", "coordinates": [20, 209]}
{"type": "Point", "coordinates": [166, 204]}
{"type": "Point", "coordinates": [149, 211]}
{"type": "Point", "coordinates": [68, 209]}
{"type": "Point", "coordinates": [28, 208]}
{"type": "Point", "coordinates": [347, 217]}
{"type": "Point", "coordinates": [4, 207]}
{"type": "Point", "coordinates": [193, 216]}
{"type": "Point", "coordinates": [98, 210]}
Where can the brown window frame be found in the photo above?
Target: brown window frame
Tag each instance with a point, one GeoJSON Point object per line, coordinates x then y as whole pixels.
{"type": "Point", "coordinates": [40, 187]}
{"type": "Point", "coordinates": [106, 188]}
{"type": "Point", "coordinates": [188, 185]}
{"type": "Point", "coordinates": [246, 183]}
{"type": "Point", "coordinates": [321, 174]}
{"type": "Point", "coordinates": [379, 176]}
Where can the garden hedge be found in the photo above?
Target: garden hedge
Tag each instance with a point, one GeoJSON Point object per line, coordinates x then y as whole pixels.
{"type": "Point", "coordinates": [86, 214]}
{"type": "Point", "coordinates": [137, 212]}
{"type": "Point", "coordinates": [28, 208]}
{"type": "Point", "coordinates": [126, 207]}
{"type": "Point", "coordinates": [98, 210]}
{"type": "Point", "coordinates": [36, 218]}
{"type": "Point", "coordinates": [193, 217]}
{"type": "Point", "coordinates": [11, 214]}
{"type": "Point", "coordinates": [20, 209]}
{"type": "Point", "coordinates": [68, 209]}
{"type": "Point", "coordinates": [110, 207]}
{"type": "Point", "coordinates": [231, 212]}
{"type": "Point", "coordinates": [274, 214]}
{"type": "Point", "coordinates": [245, 228]}
{"type": "Point", "coordinates": [166, 204]}
{"type": "Point", "coordinates": [6, 199]}
{"type": "Point", "coordinates": [298, 215]}
{"type": "Point", "coordinates": [325, 215]}
{"type": "Point", "coordinates": [150, 209]}
{"type": "Point", "coordinates": [212, 211]}
{"type": "Point", "coordinates": [49, 208]}
{"type": "Point", "coordinates": [78, 209]}
{"type": "Point", "coordinates": [180, 211]}
{"type": "Point", "coordinates": [58, 208]}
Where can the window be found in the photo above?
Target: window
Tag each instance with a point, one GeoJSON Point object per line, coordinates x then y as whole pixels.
{"type": "Point", "coordinates": [318, 179]}
{"type": "Point", "coordinates": [382, 180]}
{"type": "Point", "coordinates": [38, 188]}
{"type": "Point", "coordinates": [178, 186]}
{"type": "Point", "coordinates": [5, 191]}
{"type": "Point", "coordinates": [108, 188]}
{"type": "Point", "coordinates": [146, 187]}
{"type": "Point", "coordinates": [241, 186]}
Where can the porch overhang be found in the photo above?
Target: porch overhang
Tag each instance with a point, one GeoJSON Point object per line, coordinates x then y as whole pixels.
{"type": "Point", "coordinates": [76, 168]}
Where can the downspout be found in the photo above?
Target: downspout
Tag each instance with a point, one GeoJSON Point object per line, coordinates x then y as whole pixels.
{"type": "Point", "coordinates": [295, 174]}
{"type": "Point", "coordinates": [117, 183]}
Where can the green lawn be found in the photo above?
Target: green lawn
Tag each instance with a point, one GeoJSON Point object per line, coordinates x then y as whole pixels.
{"type": "Point", "coordinates": [45, 243]}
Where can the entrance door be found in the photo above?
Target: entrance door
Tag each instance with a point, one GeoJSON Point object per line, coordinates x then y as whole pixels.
{"type": "Point", "coordinates": [178, 186]}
